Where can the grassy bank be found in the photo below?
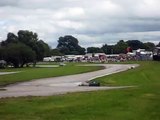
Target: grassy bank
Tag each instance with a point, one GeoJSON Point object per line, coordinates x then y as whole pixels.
{"type": "Point", "coordinates": [26, 74]}
{"type": "Point", "coordinates": [147, 74]}
{"type": "Point", "coordinates": [138, 103]}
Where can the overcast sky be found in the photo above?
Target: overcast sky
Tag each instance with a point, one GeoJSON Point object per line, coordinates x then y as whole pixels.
{"type": "Point", "coordinates": [93, 22]}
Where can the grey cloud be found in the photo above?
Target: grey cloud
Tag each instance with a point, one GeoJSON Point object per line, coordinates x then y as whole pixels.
{"type": "Point", "coordinates": [93, 22]}
{"type": "Point", "coordinates": [8, 2]}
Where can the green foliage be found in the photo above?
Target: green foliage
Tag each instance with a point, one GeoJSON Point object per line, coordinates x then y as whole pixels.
{"type": "Point", "coordinates": [108, 49]}
{"type": "Point", "coordinates": [1, 53]}
{"type": "Point", "coordinates": [138, 103]}
{"type": "Point", "coordinates": [94, 50]}
{"type": "Point", "coordinates": [43, 50]}
{"type": "Point", "coordinates": [31, 39]}
{"type": "Point", "coordinates": [149, 46]}
{"type": "Point", "coordinates": [28, 37]}
{"type": "Point", "coordinates": [56, 52]}
{"type": "Point", "coordinates": [18, 54]}
{"type": "Point", "coordinates": [69, 45]}
{"type": "Point", "coordinates": [135, 44]}
{"type": "Point", "coordinates": [120, 47]}
{"type": "Point", "coordinates": [11, 38]}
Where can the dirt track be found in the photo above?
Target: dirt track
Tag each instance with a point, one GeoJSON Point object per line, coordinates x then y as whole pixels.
{"type": "Point", "coordinates": [63, 84]}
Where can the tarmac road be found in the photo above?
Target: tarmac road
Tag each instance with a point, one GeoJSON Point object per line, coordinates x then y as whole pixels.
{"type": "Point", "coordinates": [63, 84]}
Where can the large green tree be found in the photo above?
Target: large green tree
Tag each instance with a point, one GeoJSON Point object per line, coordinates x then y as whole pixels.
{"type": "Point", "coordinates": [135, 44]}
{"type": "Point", "coordinates": [31, 39]}
{"type": "Point", "coordinates": [120, 47]}
{"type": "Point", "coordinates": [1, 53]}
{"type": "Point", "coordinates": [18, 54]}
{"type": "Point", "coordinates": [11, 38]}
{"type": "Point", "coordinates": [13, 46]}
{"type": "Point", "coordinates": [94, 50]}
{"type": "Point", "coordinates": [56, 52]}
{"type": "Point", "coordinates": [108, 49]}
{"type": "Point", "coordinates": [149, 46]}
{"type": "Point", "coordinates": [69, 45]}
{"type": "Point", "coordinates": [42, 50]}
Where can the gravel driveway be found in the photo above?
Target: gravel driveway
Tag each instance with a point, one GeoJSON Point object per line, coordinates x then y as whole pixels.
{"type": "Point", "coordinates": [63, 84]}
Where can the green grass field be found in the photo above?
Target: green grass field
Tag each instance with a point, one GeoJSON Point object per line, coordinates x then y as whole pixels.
{"type": "Point", "coordinates": [26, 74]}
{"type": "Point", "coordinates": [139, 103]}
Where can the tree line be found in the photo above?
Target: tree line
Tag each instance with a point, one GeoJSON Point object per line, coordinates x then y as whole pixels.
{"type": "Point", "coordinates": [25, 47]}
{"type": "Point", "coordinates": [69, 45]}
{"type": "Point", "coordinates": [123, 47]}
